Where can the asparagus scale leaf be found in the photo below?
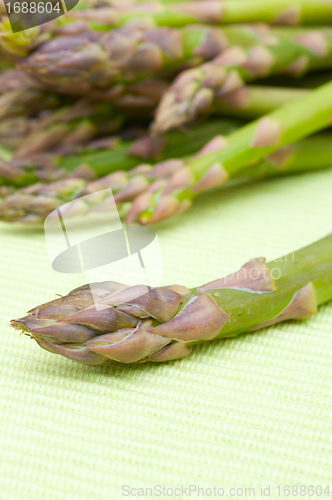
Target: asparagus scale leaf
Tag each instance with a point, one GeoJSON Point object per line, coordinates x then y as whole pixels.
{"type": "Point", "coordinates": [132, 324]}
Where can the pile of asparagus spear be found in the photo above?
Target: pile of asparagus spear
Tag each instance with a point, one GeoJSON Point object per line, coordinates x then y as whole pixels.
{"type": "Point", "coordinates": [161, 101]}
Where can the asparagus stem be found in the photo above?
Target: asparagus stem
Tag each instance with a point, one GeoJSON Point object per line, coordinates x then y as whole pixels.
{"type": "Point", "coordinates": [138, 325]}
{"type": "Point", "coordinates": [198, 90]}
{"type": "Point", "coordinates": [252, 101]}
{"type": "Point", "coordinates": [310, 154]}
{"type": "Point", "coordinates": [287, 12]}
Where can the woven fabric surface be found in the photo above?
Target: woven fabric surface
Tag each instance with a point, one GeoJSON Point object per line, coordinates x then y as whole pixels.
{"type": "Point", "coordinates": [242, 413]}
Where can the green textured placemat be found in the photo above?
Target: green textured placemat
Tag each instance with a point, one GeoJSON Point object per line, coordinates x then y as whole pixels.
{"type": "Point", "coordinates": [240, 413]}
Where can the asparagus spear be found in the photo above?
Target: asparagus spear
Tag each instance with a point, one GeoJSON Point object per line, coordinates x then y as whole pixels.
{"type": "Point", "coordinates": [134, 324]}
{"type": "Point", "coordinates": [197, 90]}
{"type": "Point", "coordinates": [20, 95]}
{"type": "Point", "coordinates": [99, 59]}
{"type": "Point", "coordinates": [252, 101]}
{"type": "Point", "coordinates": [288, 12]}
{"type": "Point", "coordinates": [60, 129]}
{"type": "Point", "coordinates": [27, 102]}
{"type": "Point", "coordinates": [119, 155]}
{"type": "Point", "coordinates": [34, 203]}
{"type": "Point", "coordinates": [14, 130]}
{"type": "Point", "coordinates": [243, 147]}
{"type": "Point", "coordinates": [13, 79]}
{"type": "Point", "coordinates": [70, 126]}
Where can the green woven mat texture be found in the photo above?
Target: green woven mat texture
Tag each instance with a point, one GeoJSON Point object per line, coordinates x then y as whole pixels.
{"type": "Point", "coordinates": [243, 413]}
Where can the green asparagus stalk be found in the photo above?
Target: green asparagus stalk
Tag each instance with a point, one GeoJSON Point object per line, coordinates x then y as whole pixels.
{"type": "Point", "coordinates": [242, 148]}
{"type": "Point", "coordinates": [289, 12]}
{"type": "Point", "coordinates": [99, 59]}
{"type": "Point", "coordinates": [308, 155]}
{"type": "Point", "coordinates": [199, 89]}
{"type": "Point", "coordinates": [119, 323]}
{"type": "Point", "coordinates": [119, 155]}
{"type": "Point", "coordinates": [130, 189]}
{"type": "Point", "coordinates": [252, 101]}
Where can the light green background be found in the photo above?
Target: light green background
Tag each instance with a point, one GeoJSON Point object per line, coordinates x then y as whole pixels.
{"type": "Point", "coordinates": [239, 413]}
